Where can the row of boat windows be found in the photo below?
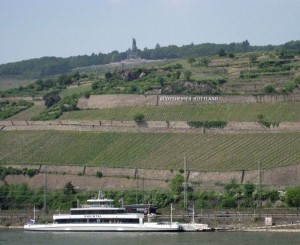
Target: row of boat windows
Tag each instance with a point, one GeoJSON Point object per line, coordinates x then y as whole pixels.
{"type": "Point", "coordinates": [117, 211]}
{"type": "Point", "coordinates": [100, 221]}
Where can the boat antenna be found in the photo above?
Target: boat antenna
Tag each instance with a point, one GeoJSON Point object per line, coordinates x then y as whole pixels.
{"type": "Point", "coordinates": [171, 213]}
{"type": "Point", "coordinates": [45, 190]}
{"type": "Point", "coordinates": [34, 214]}
{"type": "Point", "coordinates": [185, 185]}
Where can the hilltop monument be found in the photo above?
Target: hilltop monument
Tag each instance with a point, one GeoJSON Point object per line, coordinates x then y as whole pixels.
{"type": "Point", "coordinates": [133, 52]}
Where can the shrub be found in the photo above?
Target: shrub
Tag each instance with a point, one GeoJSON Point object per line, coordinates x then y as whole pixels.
{"type": "Point", "coordinates": [99, 174]}
{"type": "Point", "coordinates": [269, 89]}
{"type": "Point", "coordinates": [221, 52]}
{"type": "Point", "coordinates": [139, 117]}
{"type": "Point", "coordinates": [32, 172]}
{"type": "Point", "coordinates": [187, 75]}
{"type": "Point", "coordinates": [228, 202]}
{"type": "Point", "coordinates": [207, 124]}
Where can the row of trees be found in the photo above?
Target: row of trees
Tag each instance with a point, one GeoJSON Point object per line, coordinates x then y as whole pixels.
{"type": "Point", "coordinates": [234, 196]}
{"type": "Point", "coordinates": [47, 66]}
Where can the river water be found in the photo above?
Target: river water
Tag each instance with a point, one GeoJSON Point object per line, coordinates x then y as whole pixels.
{"type": "Point", "coordinates": [19, 237]}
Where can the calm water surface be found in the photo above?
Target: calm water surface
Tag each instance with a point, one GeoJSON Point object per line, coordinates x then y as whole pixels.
{"type": "Point", "coordinates": [19, 237]}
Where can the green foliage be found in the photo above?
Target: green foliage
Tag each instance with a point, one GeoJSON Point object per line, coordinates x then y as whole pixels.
{"type": "Point", "coordinates": [229, 202]}
{"type": "Point", "coordinates": [231, 55]}
{"type": "Point", "coordinates": [248, 189]}
{"type": "Point", "coordinates": [221, 52]}
{"type": "Point", "coordinates": [55, 111]}
{"type": "Point", "coordinates": [161, 81]}
{"type": "Point", "coordinates": [69, 189]}
{"type": "Point", "coordinates": [260, 116]}
{"type": "Point", "coordinates": [8, 109]}
{"type": "Point", "coordinates": [269, 89]}
{"type": "Point", "coordinates": [151, 149]}
{"type": "Point", "coordinates": [139, 118]}
{"type": "Point", "coordinates": [191, 60]}
{"type": "Point", "coordinates": [176, 184]}
{"type": "Point", "coordinates": [4, 171]}
{"type": "Point", "coordinates": [293, 197]}
{"type": "Point", "coordinates": [253, 57]}
{"type": "Point", "coordinates": [292, 85]}
{"type": "Point", "coordinates": [51, 98]}
{"type": "Point", "coordinates": [99, 174]}
{"type": "Point", "coordinates": [233, 189]}
{"type": "Point", "coordinates": [187, 75]}
{"type": "Point", "coordinates": [207, 124]}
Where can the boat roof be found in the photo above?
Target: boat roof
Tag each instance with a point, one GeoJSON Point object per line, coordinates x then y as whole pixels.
{"type": "Point", "coordinates": [100, 200]}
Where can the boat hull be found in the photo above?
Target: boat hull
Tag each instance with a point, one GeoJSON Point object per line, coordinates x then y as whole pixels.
{"type": "Point", "coordinates": [146, 227]}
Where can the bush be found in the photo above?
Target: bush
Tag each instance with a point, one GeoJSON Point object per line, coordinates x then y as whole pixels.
{"type": "Point", "coordinates": [207, 124]}
{"type": "Point", "coordinates": [187, 75]}
{"type": "Point", "coordinates": [228, 202]}
{"type": "Point", "coordinates": [139, 117]}
{"type": "Point", "coordinates": [99, 174]}
{"type": "Point", "coordinates": [269, 89]}
{"type": "Point", "coordinates": [32, 172]}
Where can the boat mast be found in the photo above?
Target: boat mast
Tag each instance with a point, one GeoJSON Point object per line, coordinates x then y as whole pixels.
{"type": "Point", "coordinates": [45, 190]}
{"type": "Point", "coordinates": [193, 221]}
{"type": "Point", "coordinates": [171, 213]}
{"type": "Point", "coordinates": [185, 185]}
{"type": "Point", "coordinates": [34, 214]}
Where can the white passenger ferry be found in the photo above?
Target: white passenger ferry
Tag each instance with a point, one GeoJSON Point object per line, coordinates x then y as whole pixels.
{"type": "Point", "coordinates": [100, 215]}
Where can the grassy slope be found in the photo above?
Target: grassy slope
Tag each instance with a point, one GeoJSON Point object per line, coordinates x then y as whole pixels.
{"type": "Point", "coordinates": [29, 113]}
{"type": "Point", "coordinates": [150, 150]}
{"type": "Point", "coordinates": [275, 112]}
{"type": "Point", "coordinates": [8, 83]}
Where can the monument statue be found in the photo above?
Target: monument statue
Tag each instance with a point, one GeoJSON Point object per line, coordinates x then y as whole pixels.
{"type": "Point", "coordinates": [133, 52]}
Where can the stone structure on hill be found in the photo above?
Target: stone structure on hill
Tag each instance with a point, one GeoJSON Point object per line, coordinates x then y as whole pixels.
{"type": "Point", "coordinates": [133, 52]}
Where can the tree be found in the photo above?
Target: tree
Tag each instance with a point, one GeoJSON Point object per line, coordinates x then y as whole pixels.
{"type": "Point", "coordinates": [139, 118]}
{"type": "Point", "coordinates": [253, 57]}
{"type": "Point", "coordinates": [176, 184]}
{"type": "Point", "coordinates": [191, 60]}
{"type": "Point", "coordinates": [221, 52]}
{"type": "Point", "coordinates": [69, 188]}
{"type": "Point", "coordinates": [245, 45]}
{"type": "Point", "coordinates": [231, 55]}
{"type": "Point", "coordinates": [293, 197]}
{"type": "Point", "coordinates": [51, 98]}
{"type": "Point", "coordinates": [233, 189]}
{"type": "Point", "coordinates": [205, 61]}
{"type": "Point", "coordinates": [269, 89]}
{"type": "Point", "coordinates": [248, 189]}
{"type": "Point", "coordinates": [161, 81]}
{"type": "Point", "coordinates": [178, 73]}
{"type": "Point", "coordinates": [187, 75]}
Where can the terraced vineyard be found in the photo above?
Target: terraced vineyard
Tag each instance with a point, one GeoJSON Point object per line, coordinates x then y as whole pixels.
{"type": "Point", "coordinates": [206, 152]}
{"type": "Point", "coordinates": [275, 112]}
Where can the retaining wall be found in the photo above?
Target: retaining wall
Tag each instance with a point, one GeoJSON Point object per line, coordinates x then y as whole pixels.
{"type": "Point", "coordinates": [148, 126]}
{"type": "Point", "coordinates": [119, 178]}
{"type": "Point", "coordinates": [112, 101]}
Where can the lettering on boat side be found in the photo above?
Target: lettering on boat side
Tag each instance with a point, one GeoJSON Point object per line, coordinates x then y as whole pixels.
{"type": "Point", "coordinates": [92, 216]}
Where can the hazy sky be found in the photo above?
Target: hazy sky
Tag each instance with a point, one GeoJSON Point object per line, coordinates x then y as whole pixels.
{"type": "Point", "coordinates": [62, 28]}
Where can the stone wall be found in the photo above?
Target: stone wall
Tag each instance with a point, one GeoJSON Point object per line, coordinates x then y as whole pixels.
{"type": "Point", "coordinates": [116, 100]}
{"type": "Point", "coordinates": [148, 126]}
{"type": "Point", "coordinates": [117, 178]}
{"type": "Point", "coordinates": [112, 101]}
